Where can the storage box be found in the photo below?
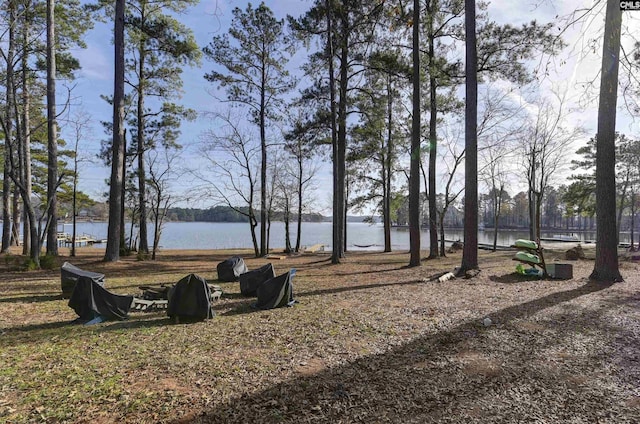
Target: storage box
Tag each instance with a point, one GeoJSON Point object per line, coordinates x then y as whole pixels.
{"type": "Point", "coordinates": [560, 271]}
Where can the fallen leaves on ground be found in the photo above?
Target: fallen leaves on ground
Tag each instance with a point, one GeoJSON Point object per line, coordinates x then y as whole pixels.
{"type": "Point", "coordinates": [370, 340]}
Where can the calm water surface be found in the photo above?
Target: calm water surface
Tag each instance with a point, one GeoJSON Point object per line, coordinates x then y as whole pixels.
{"type": "Point", "coordinates": [361, 236]}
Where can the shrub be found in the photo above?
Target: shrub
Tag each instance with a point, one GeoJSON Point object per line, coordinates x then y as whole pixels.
{"type": "Point", "coordinates": [48, 262]}
{"type": "Point", "coordinates": [30, 265]}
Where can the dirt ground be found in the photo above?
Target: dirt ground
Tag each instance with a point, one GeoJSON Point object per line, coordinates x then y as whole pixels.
{"type": "Point", "coordinates": [369, 341]}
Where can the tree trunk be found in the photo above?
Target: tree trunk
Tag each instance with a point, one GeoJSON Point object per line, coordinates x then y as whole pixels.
{"type": "Point", "coordinates": [268, 233]}
{"type": "Point", "coordinates": [386, 171]}
{"type": "Point", "coordinates": [606, 268]}
{"type": "Point", "coordinates": [633, 219]}
{"type": "Point", "coordinates": [442, 247]}
{"type": "Point", "coordinates": [414, 172]}
{"type": "Point", "coordinates": [52, 136]}
{"type": "Point", "coordinates": [123, 225]}
{"type": "Point", "coordinates": [158, 221]}
{"type": "Point", "coordinates": [6, 202]}
{"type": "Point", "coordinates": [299, 234]}
{"type": "Point", "coordinates": [263, 168]}
{"type": "Point", "coordinates": [15, 221]}
{"type": "Point", "coordinates": [74, 208]}
{"type": "Point", "coordinates": [470, 250]}
{"type": "Point", "coordinates": [532, 200]}
{"type": "Point", "coordinates": [433, 146]}
{"type": "Point", "coordinates": [623, 198]}
{"type": "Point", "coordinates": [287, 231]}
{"type": "Point", "coordinates": [156, 233]}
{"type": "Point", "coordinates": [253, 224]}
{"type": "Point", "coordinates": [496, 216]}
{"type": "Point", "coordinates": [34, 253]}
{"type": "Point", "coordinates": [143, 246]}
{"type": "Point", "coordinates": [538, 213]}
{"type": "Point", "coordinates": [336, 241]}
{"type": "Point", "coordinates": [344, 215]}
{"type": "Point", "coordinates": [8, 133]}
{"type": "Point", "coordinates": [25, 163]}
{"type": "Point", "coordinates": [112, 252]}
{"type": "Point", "coordinates": [342, 138]}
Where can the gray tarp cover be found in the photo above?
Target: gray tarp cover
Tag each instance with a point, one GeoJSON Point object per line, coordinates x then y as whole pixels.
{"type": "Point", "coordinates": [190, 298]}
{"type": "Point", "coordinates": [69, 276]}
{"type": "Point", "coordinates": [230, 269]}
{"type": "Point", "coordinates": [89, 299]}
{"type": "Point", "coordinates": [250, 281]}
{"type": "Point", "coordinates": [276, 292]}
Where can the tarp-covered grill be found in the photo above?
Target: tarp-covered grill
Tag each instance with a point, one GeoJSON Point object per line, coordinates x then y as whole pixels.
{"type": "Point", "coordinates": [69, 275]}
{"type": "Point", "coordinates": [230, 269]}
{"type": "Point", "coordinates": [190, 299]}
{"type": "Point", "coordinates": [91, 301]}
{"type": "Point", "coordinates": [276, 292]}
{"type": "Point", "coordinates": [250, 281]}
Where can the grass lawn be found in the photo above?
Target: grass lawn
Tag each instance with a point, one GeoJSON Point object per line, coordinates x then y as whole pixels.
{"type": "Point", "coordinates": [369, 341]}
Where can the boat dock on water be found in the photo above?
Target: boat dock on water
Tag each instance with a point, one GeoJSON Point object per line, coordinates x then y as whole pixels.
{"type": "Point", "coordinates": [66, 239]}
{"type": "Point", "coordinates": [562, 237]}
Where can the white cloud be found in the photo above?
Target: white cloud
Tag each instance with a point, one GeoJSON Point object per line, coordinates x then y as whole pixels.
{"type": "Point", "coordinates": [96, 62]}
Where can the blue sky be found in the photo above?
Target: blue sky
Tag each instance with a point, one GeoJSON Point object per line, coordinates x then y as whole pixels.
{"type": "Point", "coordinates": [207, 19]}
{"type": "Point", "coordinates": [212, 17]}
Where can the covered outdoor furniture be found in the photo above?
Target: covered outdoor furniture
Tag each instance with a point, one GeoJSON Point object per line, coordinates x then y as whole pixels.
{"type": "Point", "coordinates": [250, 281]}
{"type": "Point", "coordinates": [276, 292]}
{"type": "Point", "coordinates": [230, 269]}
{"type": "Point", "coordinates": [69, 275]}
{"type": "Point", "coordinates": [156, 293]}
{"type": "Point", "coordinates": [190, 299]}
{"type": "Point", "coordinates": [155, 298]}
{"type": "Point", "coordinates": [152, 299]}
{"type": "Point", "coordinates": [93, 303]}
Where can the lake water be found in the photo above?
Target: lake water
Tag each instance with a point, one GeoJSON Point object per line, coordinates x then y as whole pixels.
{"type": "Point", "coordinates": [218, 235]}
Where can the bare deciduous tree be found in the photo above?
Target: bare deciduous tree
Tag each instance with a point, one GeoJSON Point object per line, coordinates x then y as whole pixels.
{"type": "Point", "coordinates": [161, 173]}
{"type": "Point", "coordinates": [232, 157]}
{"type": "Point", "coordinates": [547, 138]}
{"type": "Point", "coordinates": [80, 126]}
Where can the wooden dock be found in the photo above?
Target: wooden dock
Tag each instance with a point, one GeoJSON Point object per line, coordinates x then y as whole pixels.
{"type": "Point", "coordinates": [66, 240]}
{"type": "Point", "coordinates": [481, 246]}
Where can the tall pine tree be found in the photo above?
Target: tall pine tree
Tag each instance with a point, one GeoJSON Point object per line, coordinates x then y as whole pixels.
{"type": "Point", "coordinates": [253, 56]}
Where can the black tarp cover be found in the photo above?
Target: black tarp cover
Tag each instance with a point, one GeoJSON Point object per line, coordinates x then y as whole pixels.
{"type": "Point", "coordinates": [276, 292]}
{"type": "Point", "coordinates": [69, 276]}
{"type": "Point", "coordinates": [230, 269]}
{"type": "Point", "coordinates": [190, 298]}
{"type": "Point", "coordinates": [90, 300]}
{"type": "Point", "coordinates": [249, 281]}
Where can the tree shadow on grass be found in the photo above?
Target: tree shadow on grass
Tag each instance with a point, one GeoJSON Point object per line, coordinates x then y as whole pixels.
{"type": "Point", "coordinates": [138, 319]}
{"type": "Point", "coordinates": [37, 333]}
{"type": "Point", "coordinates": [235, 296]}
{"type": "Point", "coordinates": [356, 272]}
{"type": "Point", "coordinates": [343, 289]}
{"type": "Point", "coordinates": [514, 278]}
{"type": "Point", "coordinates": [33, 298]}
{"type": "Point", "coordinates": [158, 319]}
{"type": "Point", "coordinates": [38, 327]}
{"type": "Point", "coordinates": [242, 308]}
{"type": "Point", "coordinates": [425, 380]}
